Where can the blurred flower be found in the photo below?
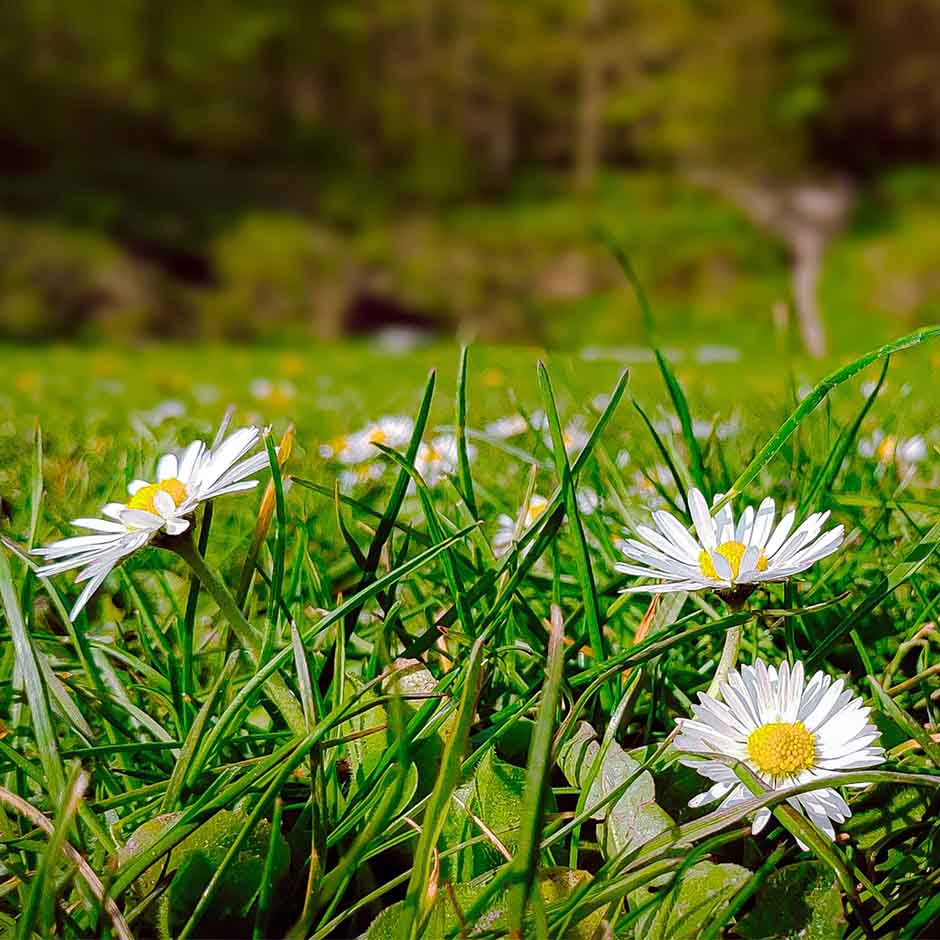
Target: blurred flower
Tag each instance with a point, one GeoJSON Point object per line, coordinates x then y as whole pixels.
{"type": "Point", "coordinates": [885, 448]}
{"type": "Point", "coordinates": [183, 483]}
{"type": "Point", "coordinates": [355, 477]}
{"type": "Point", "coordinates": [509, 426]}
{"type": "Point", "coordinates": [439, 458]}
{"type": "Point", "coordinates": [711, 354]}
{"type": "Point", "coordinates": [588, 501]}
{"type": "Point", "coordinates": [393, 431]}
{"type": "Point", "coordinates": [206, 394]}
{"type": "Point", "coordinates": [573, 434]}
{"type": "Point", "coordinates": [787, 732]}
{"type": "Point", "coordinates": [275, 394]}
{"type": "Point", "coordinates": [507, 526]}
{"type": "Point", "coordinates": [726, 556]}
{"type": "Point", "coordinates": [290, 365]}
{"type": "Point", "coordinates": [164, 411]}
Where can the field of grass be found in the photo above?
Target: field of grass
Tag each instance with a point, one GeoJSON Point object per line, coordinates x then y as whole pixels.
{"type": "Point", "coordinates": [429, 737]}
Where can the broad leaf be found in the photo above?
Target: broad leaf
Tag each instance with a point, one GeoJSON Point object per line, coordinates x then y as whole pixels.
{"type": "Point", "coordinates": [798, 902]}
{"type": "Point", "coordinates": [635, 817]}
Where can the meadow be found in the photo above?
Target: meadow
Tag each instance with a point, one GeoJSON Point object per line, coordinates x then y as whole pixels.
{"type": "Point", "coordinates": [406, 695]}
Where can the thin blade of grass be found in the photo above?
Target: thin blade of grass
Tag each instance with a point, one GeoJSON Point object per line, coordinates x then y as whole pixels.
{"type": "Point", "coordinates": [36, 696]}
{"type": "Point", "coordinates": [589, 598]}
{"type": "Point", "coordinates": [463, 457]}
{"type": "Point", "coordinates": [418, 899]}
{"type": "Point", "coordinates": [538, 769]}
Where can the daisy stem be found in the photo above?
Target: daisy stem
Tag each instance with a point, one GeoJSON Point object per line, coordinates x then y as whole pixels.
{"type": "Point", "coordinates": [729, 657]}
{"type": "Point", "coordinates": [249, 638]}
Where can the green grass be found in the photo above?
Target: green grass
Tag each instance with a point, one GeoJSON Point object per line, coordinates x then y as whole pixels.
{"type": "Point", "coordinates": [476, 739]}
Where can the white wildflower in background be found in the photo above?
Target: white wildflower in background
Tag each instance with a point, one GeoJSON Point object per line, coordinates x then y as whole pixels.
{"type": "Point", "coordinates": [200, 474]}
{"type": "Point", "coordinates": [886, 448]}
{"type": "Point", "coordinates": [573, 435]}
{"type": "Point", "coordinates": [588, 501]}
{"type": "Point", "coordinates": [788, 732]}
{"type": "Point", "coordinates": [279, 393]}
{"type": "Point", "coordinates": [726, 555]}
{"type": "Point", "coordinates": [507, 526]}
{"type": "Point", "coordinates": [508, 426]}
{"type": "Point", "coordinates": [439, 459]}
{"type": "Point", "coordinates": [392, 431]}
{"type": "Point", "coordinates": [166, 410]}
{"type": "Point", "coordinates": [353, 478]}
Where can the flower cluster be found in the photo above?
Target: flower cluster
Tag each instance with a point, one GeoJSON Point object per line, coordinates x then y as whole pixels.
{"type": "Point", "coordinates": [786, 730]}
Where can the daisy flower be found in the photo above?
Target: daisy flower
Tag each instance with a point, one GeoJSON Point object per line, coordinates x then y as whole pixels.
{"type": "Point", "coordinates": [788, 732]}
{"type": "Point", "coordinates": [508, 527]}
{"type": "Point", "coordinates": [573, 436]}
{"type": "Point", "coordinates": [885, 448]}
{"type": "Point", "coordinates": [182, 483]}
{"type": "Point", "coordinates": [354, 477]}
{"type": "Point", "coordinates": [391, 430]}
{"type": "Point", "coordinates": [726, 556]}
{"type": "Point", "coordinates": [508, 426]}
{"type": "Point", "coordinates": [439, 459]}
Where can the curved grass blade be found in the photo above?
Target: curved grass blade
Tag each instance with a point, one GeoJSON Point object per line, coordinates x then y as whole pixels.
{"type": "Point", "coordinates": [830, 470]}
{"type": "Point", "coordinates": [912, 562]}
{"type": "Point", "coordinates": [808, 405]}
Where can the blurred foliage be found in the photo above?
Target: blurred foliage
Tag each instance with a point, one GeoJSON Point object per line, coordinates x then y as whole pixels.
{"type": "Point", "coordinates": [249, 171]}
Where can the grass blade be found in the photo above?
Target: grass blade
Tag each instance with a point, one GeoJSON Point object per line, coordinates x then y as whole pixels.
{"type": "Point", "coordinates": [817, 395]}
{"type": "Point", "coordinates": [420, 896]}
{"type": "Point", "coordinates": [36, 696]}
{"type": "Point", "coordinates": [538, 769]}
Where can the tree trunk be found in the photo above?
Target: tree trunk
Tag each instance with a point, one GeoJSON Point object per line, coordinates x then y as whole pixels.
{"type": "Point", "coordinates": [589, 141]}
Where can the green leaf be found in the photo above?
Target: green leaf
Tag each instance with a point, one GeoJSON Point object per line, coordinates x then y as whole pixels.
{"type": "Point", "coordinates": [492, 794]}
{"type": "Point", "coordinates": [420, 898]}
{"type": "Point", "coordinates": [634, 817]}
{"type": "Point", "coordinates": [886, 812]}
{"type": "Point", "coordinates": [696, 897]}
{"type": "Point", "coordinates": [193, 862]}
{"type": "Point", "coordinates": [798, 902]}
{"type": "Point", "coordinates": [554, 885]}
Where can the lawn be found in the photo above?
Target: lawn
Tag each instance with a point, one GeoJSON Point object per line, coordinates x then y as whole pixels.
{"type": "Point", "coordinates": [422, 705]}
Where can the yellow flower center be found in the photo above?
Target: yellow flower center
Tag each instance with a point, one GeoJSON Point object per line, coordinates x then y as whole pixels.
{"type": "Point", "coordinates": [534, 510]}
{"type": "Point", "coordinates": [143, 498]}
{"type": "Point", "coordinates": [376, 436]}
{"type": "Point", "coordinates": [782, 749]}
{"type": "Point", "coordinates": [732, 552]}
{"type": "Point", "coordinates": [885, 450]}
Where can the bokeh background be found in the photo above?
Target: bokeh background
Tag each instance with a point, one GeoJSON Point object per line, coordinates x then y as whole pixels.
{"type": "Point", "coordinates": [235, 170]}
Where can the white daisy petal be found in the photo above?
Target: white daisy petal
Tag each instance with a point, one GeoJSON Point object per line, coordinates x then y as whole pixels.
{"type": "Point", "coordinates": [167, 467]}
{"type": "Point", "coordinates": [742, 532]}
{"type": "Point", "coordinates": [763, 523]}
{"type": "Point", "coordinates": [724, 521]}
{"type": "Point", "coordinates": [701, 517]}
{"type": "Point", "coordinates": [677, 534]}
{"type": "Point", "coordinates": [780, 534]}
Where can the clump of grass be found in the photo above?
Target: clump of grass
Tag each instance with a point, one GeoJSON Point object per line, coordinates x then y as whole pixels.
{"type": "Point", "coordinates": [481, 745]}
